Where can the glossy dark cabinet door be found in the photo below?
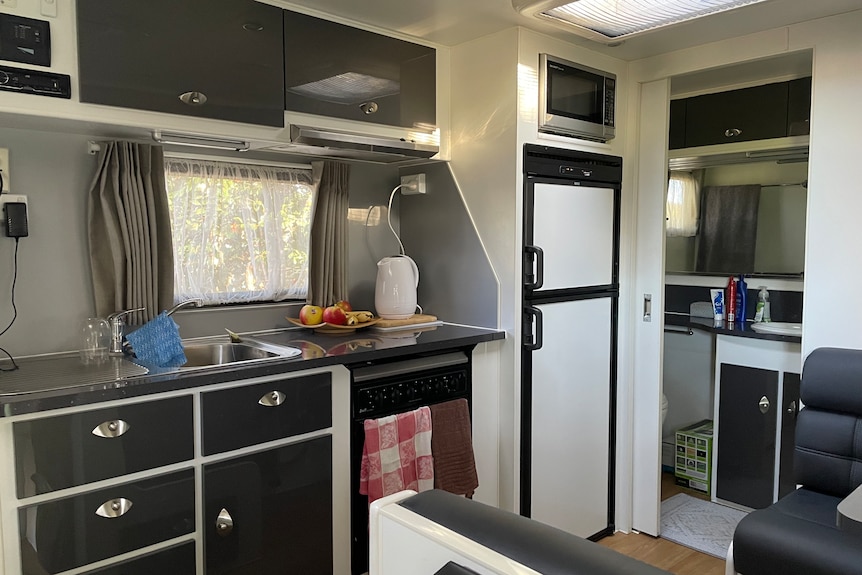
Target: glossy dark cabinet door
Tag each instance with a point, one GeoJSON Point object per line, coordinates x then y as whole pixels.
{"type": "Point", "coordinates": [786, 480]}
{"type": "Point", "coordinates": [757, 113]}
{"type": "Point", "coordinates": [179, 560]}
{"type": "Point", "coordinates": [398, 77]}
{"type": "Point", "coordinates": [799, 107]}
{"type": "Point", "coordinates": [68, 450]}
{"type": "Point", "coordinates": [225, 55]}
{"type": "Point", "coordinates": [75, 531]}
{"type": "Point", "coordinates": [746, 435]}
{"type": "Point", "coordinates": [270, 512]}
{"type": "Point", "coordinates": [252, 414]}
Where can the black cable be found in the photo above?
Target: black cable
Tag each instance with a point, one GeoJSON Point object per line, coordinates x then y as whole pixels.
{"type": "Point", "coordinates": [1, 181]}
{"type": "Point", "coordinates": [14, 307]}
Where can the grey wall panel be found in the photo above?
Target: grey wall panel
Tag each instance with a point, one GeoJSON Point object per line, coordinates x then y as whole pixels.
{"type": "Point", "coordinates": [456, 280]}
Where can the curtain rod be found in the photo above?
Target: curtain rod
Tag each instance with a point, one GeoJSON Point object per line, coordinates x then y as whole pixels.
{"type": "Point", "coordinates": [94, 148]}
{"type": "Point", "coordinates": [803, 183]}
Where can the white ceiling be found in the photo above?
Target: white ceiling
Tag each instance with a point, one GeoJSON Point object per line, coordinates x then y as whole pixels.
{"type": "Point", "coordinates": [453, 22]}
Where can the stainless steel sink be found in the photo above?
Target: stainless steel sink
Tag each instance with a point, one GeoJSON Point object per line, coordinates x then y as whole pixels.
{"type": "Point", "coordinates": [224, 353]}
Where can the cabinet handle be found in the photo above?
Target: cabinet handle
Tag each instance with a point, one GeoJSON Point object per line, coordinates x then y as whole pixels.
{"type": "Point", "coordinates": [764, 404]}
{"type": "Point", "coordinates": [114, 508]}
{"type": "Point", "coordinates": [732, 132]}
{"type": "Point", "coordinates": [113, 428]}
{"type": "Point", "coordinates": [224, 523]}
{"type": "Point", "coordinates": [272, 399]}
{"type": "Point", "coordinates": [193, 98]}
{"type": "Point", "coordinates": [791, 409]}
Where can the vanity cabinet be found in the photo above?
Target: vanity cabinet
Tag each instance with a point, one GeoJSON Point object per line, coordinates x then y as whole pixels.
{"type": "Point", "coordinates": [218, 59]}
{"type": "Point", "coordinates": [774, 110]}
{"type": "Point", "coordinates": [178, 559]}
{"type": "Point", "coordinates": [757, 400]}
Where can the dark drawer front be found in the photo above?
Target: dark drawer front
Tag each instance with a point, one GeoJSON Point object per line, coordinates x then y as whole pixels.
{"type": "Point", "coordinates": [179, 560]}
{"type": "Point", "coordinates": [243, 416]}
{"type": "Point", "coordinates": [58, 452]}
{"type": "Point", "coordinates": [70, 533]}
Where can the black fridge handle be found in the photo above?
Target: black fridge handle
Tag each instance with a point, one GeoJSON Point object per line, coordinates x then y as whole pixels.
{"type": "Point", "coordinates": [533, 336]}
{"type": "Point", "coordinates": [539, 277]}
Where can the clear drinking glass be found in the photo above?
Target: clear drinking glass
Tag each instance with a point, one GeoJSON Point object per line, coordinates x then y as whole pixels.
{"type": "Point", "coordinates": [95, 337]}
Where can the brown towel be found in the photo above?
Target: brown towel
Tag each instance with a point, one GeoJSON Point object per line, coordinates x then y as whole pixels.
{"type": "Point", "coordinates": [452, 448]}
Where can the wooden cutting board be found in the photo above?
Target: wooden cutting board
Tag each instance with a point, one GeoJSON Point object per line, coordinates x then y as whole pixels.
{"type": "Point", "coordinates": [412, 320]}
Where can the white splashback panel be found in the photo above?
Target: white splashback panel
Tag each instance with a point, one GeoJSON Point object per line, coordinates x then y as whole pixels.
{"type": "Point", "coordinates": [574, 227]}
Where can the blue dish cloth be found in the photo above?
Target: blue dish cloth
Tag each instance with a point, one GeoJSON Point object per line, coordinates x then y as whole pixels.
{"type": "Point", "coordinates": [157, 343]}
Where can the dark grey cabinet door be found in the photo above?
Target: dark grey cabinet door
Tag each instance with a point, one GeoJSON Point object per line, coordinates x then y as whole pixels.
{"type": "Point", "coordinates": [391, 81]}
{"type": "Point", "coordinates": [270, 512]}
{"type": "Point", "coordinates": [746, 435]}
{"type": "Point", "coordinates": [790, 405]}
{"type": "Point", "coordinates": [145, 55]}
{"type": "Point", "coordinates": [179, 560]}
{"type": "Point", "coordinates": [799, 107]}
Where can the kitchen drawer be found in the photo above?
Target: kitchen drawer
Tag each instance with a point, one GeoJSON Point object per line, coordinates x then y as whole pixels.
{"type": "Point", "coordinates": [252, 414]}
{"type": "Point", "coordinates": [179, 560]}
{"type": "Point", "coordinates": [71, 532]}
{"type": "Point", "coordinates": [68, 450]}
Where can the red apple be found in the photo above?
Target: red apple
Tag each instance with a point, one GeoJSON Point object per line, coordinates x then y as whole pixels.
{"type": "Point", "coordinates": [334, 315]}
{"type": "Point", "coordinates": [344, 304]}
{"type": "Point", "coordinates": [311, 315]}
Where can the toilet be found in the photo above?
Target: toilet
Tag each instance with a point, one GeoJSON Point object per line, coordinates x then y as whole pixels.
{"type": "Point", "coordinates": [663, 408]}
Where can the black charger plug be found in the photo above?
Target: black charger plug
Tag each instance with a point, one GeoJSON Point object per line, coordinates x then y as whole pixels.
{"type": "Point", "coordinates": [16, 219]}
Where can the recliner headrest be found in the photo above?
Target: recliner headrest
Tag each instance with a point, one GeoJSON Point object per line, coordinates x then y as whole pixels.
{"type": "Point", "coordinates": [832, 380]}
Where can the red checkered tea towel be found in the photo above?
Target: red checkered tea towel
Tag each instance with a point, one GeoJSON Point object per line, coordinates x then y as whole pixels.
{"type": "Point", "coordinates": [397, 454]}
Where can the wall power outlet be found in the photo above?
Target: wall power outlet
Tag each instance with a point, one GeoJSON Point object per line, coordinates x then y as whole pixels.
{"type": "Point", "coordinates": [4, 169]}
{"type": "Point", "coordinates": [413, 184]}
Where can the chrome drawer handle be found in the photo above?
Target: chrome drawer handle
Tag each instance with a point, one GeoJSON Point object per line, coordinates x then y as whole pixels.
{"type": "Point", "coordinates": [114, 508]}
{"type": "Point", "coordinates": [113, 428]}
{"type": "Point", "coordinates": [764, 404]}
{"type": "Point", "coordinates": [732, 132]}
{"type": "Point", "coordinates": [224, 523]}
{"type": "Point", "coordinates": [193, 98]}
{"type": "Point", "coordinates": [272, 399]}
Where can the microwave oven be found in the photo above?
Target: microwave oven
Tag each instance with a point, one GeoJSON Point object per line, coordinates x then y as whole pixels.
{"type": "Point", "coordinates": [576, 100]}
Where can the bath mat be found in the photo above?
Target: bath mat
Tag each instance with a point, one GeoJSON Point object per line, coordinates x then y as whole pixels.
{"type": "Point", "coordinates": [702, 525]}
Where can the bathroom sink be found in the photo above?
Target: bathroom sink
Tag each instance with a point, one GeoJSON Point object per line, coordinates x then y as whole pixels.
{"type": "Point", "coordinates": [778, 328]}
{"type": "Point", "coordinates": [227, 353]}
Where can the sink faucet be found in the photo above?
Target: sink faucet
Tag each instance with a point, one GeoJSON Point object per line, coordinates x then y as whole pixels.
{"type": "Point", "coordinates": [197, 302]}
{"type": "Point", "coordinates": [116, 321]}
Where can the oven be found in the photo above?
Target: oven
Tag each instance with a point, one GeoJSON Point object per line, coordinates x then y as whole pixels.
{"type": "Point", "coordinates": [382, 388]}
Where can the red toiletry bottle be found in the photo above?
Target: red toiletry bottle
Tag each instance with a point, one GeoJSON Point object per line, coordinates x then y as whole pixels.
{"type": "Point", "coordinates": [730, 302]}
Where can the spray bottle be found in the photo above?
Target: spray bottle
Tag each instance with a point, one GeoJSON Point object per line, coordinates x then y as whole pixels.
{"type": "Point", "coordinates": [761, 313]}
{"type": "Point", "coordinates": [741, 293]}
{"type": "Point", "coordinates": [730, 303]}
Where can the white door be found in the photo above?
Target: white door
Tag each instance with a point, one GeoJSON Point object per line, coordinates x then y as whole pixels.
{"type": "Point", "coordinates": [571, 416]}
{"type": "Point", "coordinates": [574, 227]}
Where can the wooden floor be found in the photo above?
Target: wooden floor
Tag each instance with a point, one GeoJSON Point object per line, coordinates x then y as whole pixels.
{"type": "Point", "coordinates": [662, 553]}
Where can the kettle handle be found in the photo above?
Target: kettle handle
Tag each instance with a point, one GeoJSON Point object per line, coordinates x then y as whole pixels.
{"type": "Point", "coordinates": [415, 269]}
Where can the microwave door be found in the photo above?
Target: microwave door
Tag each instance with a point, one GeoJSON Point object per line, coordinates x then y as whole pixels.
{"type": "Point", "coordinates": [574, 226]}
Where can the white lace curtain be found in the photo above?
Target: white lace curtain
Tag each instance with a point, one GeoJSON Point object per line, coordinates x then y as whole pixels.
{"type": "Point", "coordinates": [682, 204]}
{"type": "Point", "coordinates": [240, 232]}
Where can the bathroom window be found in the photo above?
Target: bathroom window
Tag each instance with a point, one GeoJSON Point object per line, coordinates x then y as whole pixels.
{"type": "Point", "coordinates": [682, 204]}
{"type": "Point", "coordinates": [240, 231]}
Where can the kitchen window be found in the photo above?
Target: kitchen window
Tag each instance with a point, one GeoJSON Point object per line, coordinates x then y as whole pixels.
{"type": "Point", "coordinates": [240, 231]}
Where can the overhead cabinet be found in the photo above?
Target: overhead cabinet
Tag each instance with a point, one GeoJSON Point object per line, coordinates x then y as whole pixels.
{"type": "Point", "coordinates": [220, 59]}
{"type": "Point", "coordinates": [762, 112]}
{"type": "Point", "coordinates": [344, 72]}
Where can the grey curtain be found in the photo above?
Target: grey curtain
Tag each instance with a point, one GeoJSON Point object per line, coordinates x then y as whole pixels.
{"type": "Point", "coordinates": [728, 229]}
{"type": "Point", "coordinates": [328, 251]}
{"type": "Point", "coordinates": [129, 229]}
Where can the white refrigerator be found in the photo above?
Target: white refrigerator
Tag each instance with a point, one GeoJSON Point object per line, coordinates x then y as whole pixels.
{"type": "Point", "coordinates": [570, 302]}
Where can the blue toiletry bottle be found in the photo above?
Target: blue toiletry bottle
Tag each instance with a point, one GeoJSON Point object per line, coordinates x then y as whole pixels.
{"type": "Point", "coordinates": [741, 293]}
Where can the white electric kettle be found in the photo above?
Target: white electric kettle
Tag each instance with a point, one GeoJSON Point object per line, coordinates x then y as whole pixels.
{"type": "Point", "coordinates": [395, 293]}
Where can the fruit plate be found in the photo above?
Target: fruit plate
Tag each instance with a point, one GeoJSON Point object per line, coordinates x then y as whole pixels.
{"type": "Point", "coordinates": [331, 327]}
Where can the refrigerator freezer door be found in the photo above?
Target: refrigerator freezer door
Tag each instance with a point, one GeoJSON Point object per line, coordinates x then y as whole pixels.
{"type": "Point", "coordinates": [574, 226]}
{"type": "Point", "coordinates": [571, 381]}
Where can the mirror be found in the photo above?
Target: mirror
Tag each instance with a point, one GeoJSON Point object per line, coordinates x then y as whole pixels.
{"type": "Point", "coordinates": [730, 238]}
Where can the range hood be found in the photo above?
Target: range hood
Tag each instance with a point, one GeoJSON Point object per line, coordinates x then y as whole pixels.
{"type": "Point", "coordinates": [331, 143]}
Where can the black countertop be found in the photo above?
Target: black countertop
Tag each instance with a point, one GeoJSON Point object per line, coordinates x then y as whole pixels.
{"type": "Point", "coordinates": [738, 329]}
{"type": "Point", "coordinates": [318, 350]}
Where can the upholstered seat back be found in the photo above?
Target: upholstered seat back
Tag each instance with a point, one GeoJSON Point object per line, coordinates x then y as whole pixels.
{"type": "Point", "coordinates": [828, 455]}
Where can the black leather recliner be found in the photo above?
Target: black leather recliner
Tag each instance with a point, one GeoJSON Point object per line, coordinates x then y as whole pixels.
{"type": "Point", "coordinates": [798, 534]}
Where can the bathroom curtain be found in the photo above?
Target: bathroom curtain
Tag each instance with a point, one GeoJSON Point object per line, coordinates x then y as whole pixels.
{"type": "Point", "coordinates": [129, 232]}
{"type": "Point", "coordinates": [728, 229]}
{"type": "Point", "coordinates": [328, 251]}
